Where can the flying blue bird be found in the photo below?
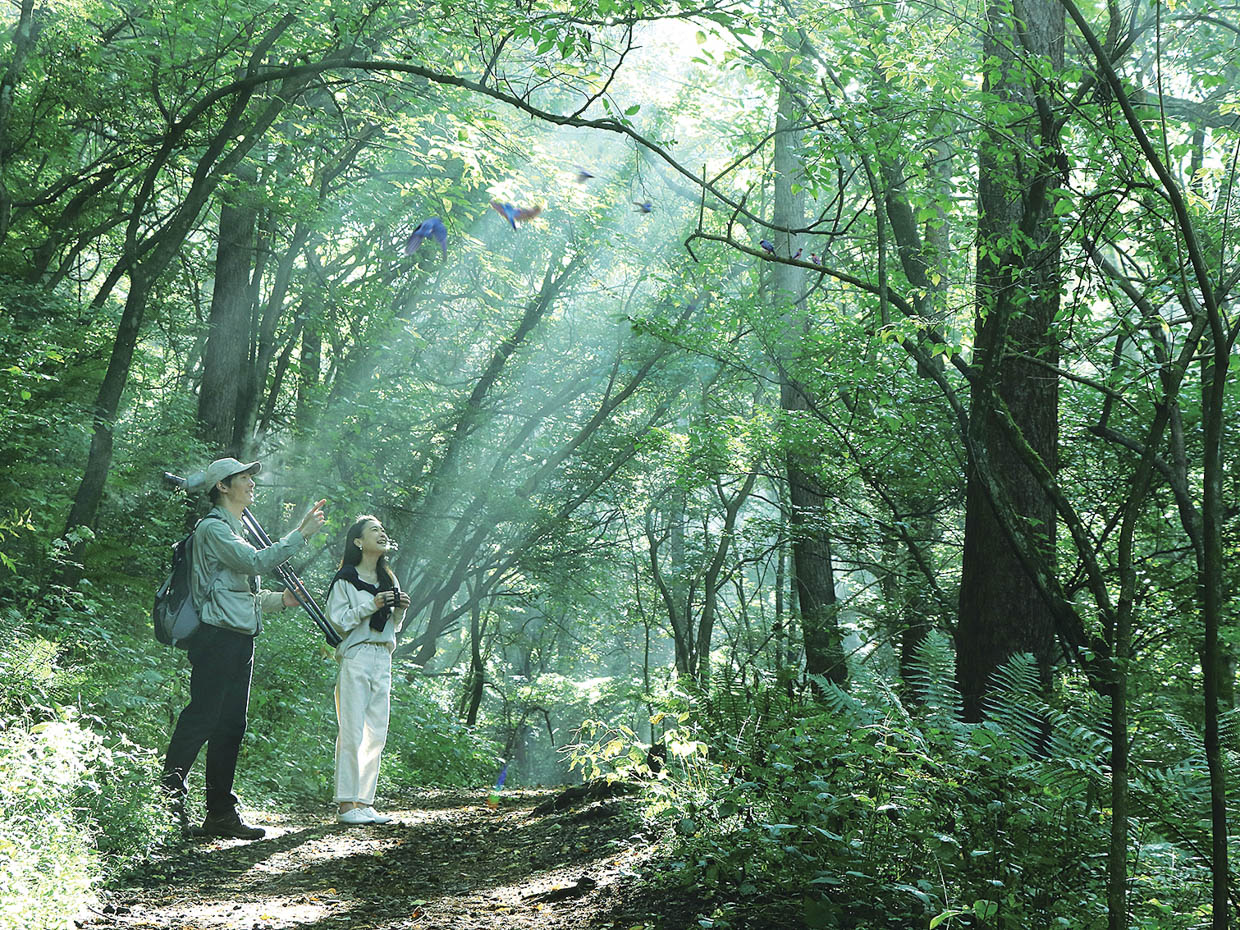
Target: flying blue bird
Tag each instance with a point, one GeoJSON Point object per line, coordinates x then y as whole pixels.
{"type": "Point", "coordinates": [432, 228]}
{"type": "Point", "coordinates": [583, 175]}
{"type": "Point", "coordinates": [767, 246]}
{"type": "Point", "coordinates": [643, 206]}
{"type": "Point", "coordinates": [512, 214]}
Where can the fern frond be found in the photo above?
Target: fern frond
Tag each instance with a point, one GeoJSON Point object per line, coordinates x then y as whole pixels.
{"type": "Point", "coordinates": [1015, 703]}
{"type": "Point", "coordinates": [932, 674]}
{"type": "Point", "coordinates": [840, 702]}
{"type": "Point", "coordinates": [1229, 729]}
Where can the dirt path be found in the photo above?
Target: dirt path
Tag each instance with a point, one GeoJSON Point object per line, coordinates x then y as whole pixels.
{"type": "Point", "coordinates": [449, 863]}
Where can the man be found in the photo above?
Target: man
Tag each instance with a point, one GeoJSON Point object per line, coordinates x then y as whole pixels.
{"type": "Point", "coordinates": [230, 601]}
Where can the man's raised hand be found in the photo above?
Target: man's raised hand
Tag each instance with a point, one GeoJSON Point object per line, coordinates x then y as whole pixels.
{"type": "Point", "coordinates": [313, 521]}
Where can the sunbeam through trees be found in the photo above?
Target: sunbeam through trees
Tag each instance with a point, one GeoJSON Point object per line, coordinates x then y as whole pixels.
{"type": "Point", "coordinates": [798, 428]}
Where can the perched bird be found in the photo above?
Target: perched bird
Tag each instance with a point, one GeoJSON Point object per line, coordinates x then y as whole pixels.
{"type": "Point", "coordinates": [583, 175]}
{"type": "Point", "coordinates": [512, 214]}
{"type": "Point", "coordinates": [798, 255]}
{"type": "Point", "coordinates": [432, 228]}
{"type": "Point", "coordinates": [813, 259]}
{"type": "Point", "coordinates": [767, 246]}
{"type": "Point", "coordinates": [643, 206]}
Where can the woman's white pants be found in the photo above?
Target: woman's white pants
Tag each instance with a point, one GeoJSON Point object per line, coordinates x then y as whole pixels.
{"type": "Point", "coordinates": [363, 691]}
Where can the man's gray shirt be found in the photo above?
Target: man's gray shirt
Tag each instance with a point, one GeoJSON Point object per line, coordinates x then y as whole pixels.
{"type": "Point", "coordinates": [224, 582]}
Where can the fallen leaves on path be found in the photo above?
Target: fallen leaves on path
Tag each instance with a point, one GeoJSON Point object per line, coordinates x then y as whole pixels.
{"type": "Point", "coordinates": [450, 862]}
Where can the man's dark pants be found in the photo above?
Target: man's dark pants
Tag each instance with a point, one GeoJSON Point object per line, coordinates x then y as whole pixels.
{"type": "Point", "coordinates": [219, 689]}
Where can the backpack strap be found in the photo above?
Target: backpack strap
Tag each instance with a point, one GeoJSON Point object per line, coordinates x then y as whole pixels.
{"type": "Point", "coordinates": [209, 515]}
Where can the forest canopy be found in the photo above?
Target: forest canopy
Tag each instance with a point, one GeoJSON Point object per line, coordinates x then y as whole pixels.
{"type": "Point", "coordinates": [829, 399]}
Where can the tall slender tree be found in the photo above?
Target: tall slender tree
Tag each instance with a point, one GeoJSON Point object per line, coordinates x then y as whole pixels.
{"type": "Point", "coordinates": [813, 571]}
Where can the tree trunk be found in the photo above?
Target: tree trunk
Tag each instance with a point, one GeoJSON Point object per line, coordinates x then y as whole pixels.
{"type": "Point", "coordinates": [309, 372]}
{"type": "Point", "coordinates": [477, 678]}
{"type": "Point", "coordinates": [107, 402]}
{"type": "Point", "coordinates": [1018, 281]}
{"type": "Point", "coordinates": [812, 567]}
{"type": "Point", "coordinates": [1213, 389]}
{"type": "Point", "coordinates": [904, 592]}
{"type": "Point", "coordinates": [710, 585]}
{"type": "Point", "coordinates": [24, 37]}
{"type": "Point", "coordinates": [673, 587]}
{"type": "Point", "coordinates": [780, 625]}
{"type": "Point", "coordinates": [226, 363]}
{"type": "Point", "coordinates": [814, 577]}
{"type": "Point", "coordinates": [262, 339]}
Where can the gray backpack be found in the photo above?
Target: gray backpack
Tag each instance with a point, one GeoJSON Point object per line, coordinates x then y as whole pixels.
{"type": "Point", "coordinates": [174, 615]}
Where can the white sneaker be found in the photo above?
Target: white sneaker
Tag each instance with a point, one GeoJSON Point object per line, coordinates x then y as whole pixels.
{"type": "Point", "coordinates": [354, 815]}
{"type": "Point", "coordinates": [376, 817]}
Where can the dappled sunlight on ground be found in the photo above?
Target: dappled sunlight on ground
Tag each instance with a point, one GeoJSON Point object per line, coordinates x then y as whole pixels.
{"type": "Point", "coordinates": [450, 861]}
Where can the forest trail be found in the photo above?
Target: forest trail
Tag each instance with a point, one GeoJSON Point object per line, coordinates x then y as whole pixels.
{"type": "Point", "coordinates": [449, 861]}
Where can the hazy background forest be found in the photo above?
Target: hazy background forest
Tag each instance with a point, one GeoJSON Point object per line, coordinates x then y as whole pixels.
{"type": "Point", "coordinates": [851, 422]}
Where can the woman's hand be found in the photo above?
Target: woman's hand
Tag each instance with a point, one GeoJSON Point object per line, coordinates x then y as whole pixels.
{"type": "Point", "coordinates": [382, 600]}
{"type": "Point", "coordinates": [404, 601]}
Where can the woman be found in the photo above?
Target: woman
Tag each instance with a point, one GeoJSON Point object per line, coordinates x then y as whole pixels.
{"type": "Point", "coordinates": [367, 608]}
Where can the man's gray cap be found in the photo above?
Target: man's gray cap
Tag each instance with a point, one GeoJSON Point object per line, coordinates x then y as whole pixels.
{"type": "Point", "coordinates": [219, 470]}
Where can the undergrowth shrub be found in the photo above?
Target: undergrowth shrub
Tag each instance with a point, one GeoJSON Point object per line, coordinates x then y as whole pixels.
{"type": "Point", "coordinates": [858, 809]}
{"type": "Point", "coordinates": [428, 745]}
{"type": "Point", "coordinates": [47, 865]}
{"type": "Point", "coordinates": [77, 801]}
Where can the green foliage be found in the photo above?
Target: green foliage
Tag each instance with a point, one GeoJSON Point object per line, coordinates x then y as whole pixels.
{"type": "Point", "coordinates": [78, 800]}
{"type": "Point", "coordinates": [47, 867]}
{"type": "Point", "coordinates": [429, 747]}
{"type": "Point", "coordinates": [879, 800]}
{"type": "Point", "coordinates": [933, 678]}
{"type": "Point", "coordinates": [858, 811]}
{"type": "Point", "coordinates": [117, 798]}
{"type": "Point", "coordinates": [70, 795]}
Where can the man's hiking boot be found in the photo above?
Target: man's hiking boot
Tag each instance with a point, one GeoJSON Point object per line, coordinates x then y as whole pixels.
{"type": "Point", "coordinates": [230, 824]}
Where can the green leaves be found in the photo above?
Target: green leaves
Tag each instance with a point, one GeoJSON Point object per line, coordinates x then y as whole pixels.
{"type": "Point", "coordinates": [981, 909]}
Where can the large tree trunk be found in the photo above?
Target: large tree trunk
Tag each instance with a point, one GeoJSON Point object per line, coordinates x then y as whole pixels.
{"type": "Point", "coordinates": [263, 319]}
{"type": "Point", "coordinates": [1018, 280]}
{"type": "Point", "coordinates": [226, 362]}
